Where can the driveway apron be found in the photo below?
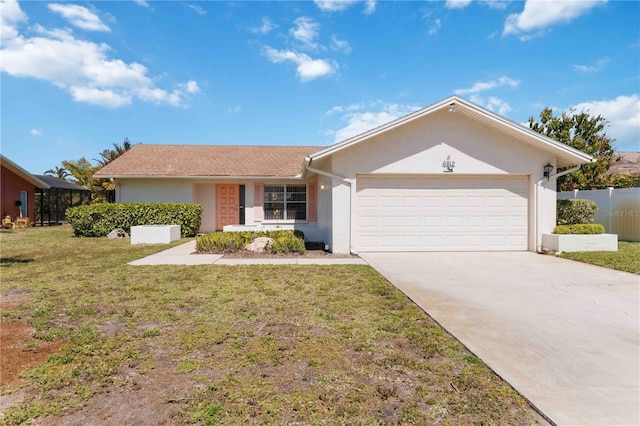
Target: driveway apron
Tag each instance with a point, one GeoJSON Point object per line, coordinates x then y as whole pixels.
{"type": "Point", "coordinates": [562, 333]}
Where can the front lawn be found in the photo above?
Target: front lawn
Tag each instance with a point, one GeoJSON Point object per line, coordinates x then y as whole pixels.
{"type": "Point", "coordinates": [627, 258]}
{"type": "Point", "coordinates": [229, 344]}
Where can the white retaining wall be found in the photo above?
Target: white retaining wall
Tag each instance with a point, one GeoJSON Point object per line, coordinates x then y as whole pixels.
{"type": "Point", "coordinates": [618, 209]}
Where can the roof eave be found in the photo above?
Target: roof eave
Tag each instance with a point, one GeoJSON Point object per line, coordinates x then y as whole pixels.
{"type": "Point", "coordinates": [217, 177]}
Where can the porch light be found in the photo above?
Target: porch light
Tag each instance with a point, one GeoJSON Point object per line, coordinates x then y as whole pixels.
{"type": "Point", "coordinates": [547, 170]}
{"type": "Point", "coordinates": [323, 187]}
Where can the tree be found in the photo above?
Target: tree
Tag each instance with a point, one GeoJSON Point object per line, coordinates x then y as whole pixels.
{"type": "Point", "coordinates": [81, 172]}
{"type": "Point", "coordinates": [585, 133]}
{"type": "Point", "coordinates": [59, 172]}
{"type": "Point", "coordinates": [108, 155]}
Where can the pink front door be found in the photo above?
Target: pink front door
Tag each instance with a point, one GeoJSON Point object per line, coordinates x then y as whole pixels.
{"type": "Point", "coordinates": [227, 205]}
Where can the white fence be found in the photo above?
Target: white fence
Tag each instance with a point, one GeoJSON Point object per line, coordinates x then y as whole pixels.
{"type": "Point", "coordinates": [618, 210]}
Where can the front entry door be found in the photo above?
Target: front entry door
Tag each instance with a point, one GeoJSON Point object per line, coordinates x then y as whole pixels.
{"type": "Point", "coordinates": [227, 205]}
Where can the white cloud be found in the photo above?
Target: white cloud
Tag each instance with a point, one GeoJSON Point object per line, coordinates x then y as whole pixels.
{"type": "Point", "coordinates": [457, 4]}
{"type": "Point", "coordinates": [482, 86]}
{"type": "Point", "coordinates": [334, 5]}
{"type": "Point", "coordinates": [79, 16]}
{"type": "Point", "coordinates": [82, 68]}
{"type": "Point", "coordinates": [142, 3]}
{"type": "Point", "coordinates": [495, 4]}
{"type": "Point", "coordinates": [597, 66]}
{"type": "Point", "coordinates": [369, 7]}
{"type": "Point", "coordinates": [234, 110]}
{"type": "Point", "coordinates": [623, 114]}
{"type": "Point", "coordinates": [434, 27]}
{"type": "Point", "coordinates": [538, 15]}
{"type": "Point", "coordinates": [340, 5]}
{"type": "Point", "coordinates": [36, 132]}
{"type": "Point", "coordinates": [307, 67]}
{"type": "Point", "coordinates": [10, 15]}
{"type": "Point", "coordinates": [340, 45]}
{"type": "Point", "coordinates": [199, 10]}
{"type": "Point", "coordinates": [190, 86]}
{"type": "Point", "coordinates": [492, 103]}
{"type": "Point", "coordinates": [359, 121]}
{"type": "Point", "coordinates": [265, 28]}
{"type": "Point", "coordinates": [306, 30]}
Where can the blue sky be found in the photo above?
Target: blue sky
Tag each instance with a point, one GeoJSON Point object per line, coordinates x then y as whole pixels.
{"type": "Point", "coordinates": [79, 76]}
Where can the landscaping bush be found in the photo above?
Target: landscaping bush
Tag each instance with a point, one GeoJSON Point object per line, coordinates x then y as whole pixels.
{"type": "Point", "coordinates": [584, 228]}
{"type": "Point", "coordinates": [287, 243]}
{"type": "Point", "coordinates": [575, 211]}
{"type": "Point", "coordinates": [229, 242]}
{"type": "Point", "coordinates": [97, 220]}
{"type": "Point", "coordinates": [223, 242]}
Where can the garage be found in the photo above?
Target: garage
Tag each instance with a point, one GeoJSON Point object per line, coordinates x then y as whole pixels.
{"type": "Point", "coordinates": [441, 213]}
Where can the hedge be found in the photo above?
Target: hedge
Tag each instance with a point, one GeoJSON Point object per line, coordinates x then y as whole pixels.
{"type": "Point", "coordinates": [229, 242]}
{"type": "Point", "coordinates": [575, 211]}
{"type": "Point", "coordinates": [583, 228]}
{"type": "Point", "coordinates": [97, 220]}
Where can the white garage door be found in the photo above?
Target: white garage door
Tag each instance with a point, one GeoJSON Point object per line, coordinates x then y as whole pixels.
{"type": "Point", "coordinates": [441, 213]}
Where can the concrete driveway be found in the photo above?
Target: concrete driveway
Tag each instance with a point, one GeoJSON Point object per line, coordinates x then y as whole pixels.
{"type": "Point", "coordinates": [563, 333]}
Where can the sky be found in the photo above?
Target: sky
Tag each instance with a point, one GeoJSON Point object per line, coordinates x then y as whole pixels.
{"type": "Point", "coordinates": [77, 77]}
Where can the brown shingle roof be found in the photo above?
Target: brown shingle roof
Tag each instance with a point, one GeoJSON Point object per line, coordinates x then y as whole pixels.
{"type": "Point", "coordinates": [208, 160]}
{"type": "Point", "coordinates": [625, 163]}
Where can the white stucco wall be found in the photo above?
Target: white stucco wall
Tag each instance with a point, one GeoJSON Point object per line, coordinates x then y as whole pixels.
{"type": "Point", "coordinates": [202, 191]}
{"type": "Point", "coordinates": [421, 146]}
{"type": "Point", "coordinates": [154, 191]}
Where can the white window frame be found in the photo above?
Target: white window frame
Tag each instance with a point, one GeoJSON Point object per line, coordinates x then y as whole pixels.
{"type": "Point", "coordinates": [283, 217]}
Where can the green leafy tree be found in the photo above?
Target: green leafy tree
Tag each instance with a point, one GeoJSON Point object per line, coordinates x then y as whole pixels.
{"type": "Point", "coordinates": [108, 155]}
{"type": "Point", "coordinates": [587, 134]}
{"type": "Point", "coordinates": [59, 172]}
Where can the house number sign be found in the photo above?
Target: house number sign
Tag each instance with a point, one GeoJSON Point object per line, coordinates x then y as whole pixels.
{"type": "Point", "coordinates": [448, 165]}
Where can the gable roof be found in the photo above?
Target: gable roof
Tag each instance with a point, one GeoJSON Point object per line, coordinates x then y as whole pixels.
{"type": "Point", "coordinates": [55, 182]}
{"type": "Point", "coordinates": [22, 173]}
{"type": "Point", "coordinates": [207, 161]}
{"type": "Point", "coordinates": [565, 154]}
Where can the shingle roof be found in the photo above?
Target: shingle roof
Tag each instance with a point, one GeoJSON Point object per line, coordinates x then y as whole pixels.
{"type": "Point", "coordinates": [55, 182]}
{"type": "Point", "coordinates": [625, 163]}
{"type": "Point", "coordinates": [208, 160]}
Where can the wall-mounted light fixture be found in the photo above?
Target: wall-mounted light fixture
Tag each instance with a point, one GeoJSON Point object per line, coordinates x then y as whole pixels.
{"type": "Point", "coordinates": [323, 187]}
{"type": "Point", "coordinates": [547, 170]}
{"type": "Point", "coordinates": [452, 107]}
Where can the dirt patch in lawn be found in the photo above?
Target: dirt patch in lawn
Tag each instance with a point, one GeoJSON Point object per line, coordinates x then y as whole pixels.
{"type": "Point", "coordinates": [20, 350]}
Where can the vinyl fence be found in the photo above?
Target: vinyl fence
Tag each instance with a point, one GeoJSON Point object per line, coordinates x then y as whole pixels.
{"type": "Point", "coordinates": [618, 210]}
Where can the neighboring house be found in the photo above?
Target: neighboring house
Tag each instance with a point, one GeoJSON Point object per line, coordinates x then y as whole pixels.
{"type": "Point", "coordinates": [626, 163]}
{"type": "Point", "coordinates": [17, 190]}
{"type": "Point", "coordinates": [52, 203]}
{"type": "Point", "coordinates": [450, 177]}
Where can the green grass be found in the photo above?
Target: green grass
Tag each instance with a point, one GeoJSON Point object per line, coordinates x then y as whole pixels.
{"type": "Point", "coordinates": [627, 258]}
{"type": "Point", "coordinates": [258, 344]}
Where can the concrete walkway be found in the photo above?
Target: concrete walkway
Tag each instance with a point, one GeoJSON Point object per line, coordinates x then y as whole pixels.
{"type": "Point", "coordinates": [184, 255]}
{"type": "Point", "coordinates": [564, 334]}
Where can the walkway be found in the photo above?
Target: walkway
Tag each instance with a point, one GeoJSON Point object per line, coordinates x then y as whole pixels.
{"type": "Point", "coordinates": [184, 255]}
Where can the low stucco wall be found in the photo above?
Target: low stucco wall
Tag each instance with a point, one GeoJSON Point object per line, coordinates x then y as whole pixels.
{"type": "Point", "coordinates": [572, 243]}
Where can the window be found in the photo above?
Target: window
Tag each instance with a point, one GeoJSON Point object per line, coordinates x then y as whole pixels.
{"type": "Point", "coordinates": [285, 202]}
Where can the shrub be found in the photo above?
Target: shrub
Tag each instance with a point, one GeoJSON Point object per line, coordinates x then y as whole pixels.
{"type": "Point", "coordinates": [288, 243]}
{"type": "Point", "coordinates": [584, 228]}
{"type": "Point", "coordinates": [575, 211]}
{"type": "Point", "coordinates": [97, 220]}
{"type": "Point", "coordinates": [223, 242]}
{"type": "Point", "coordinates": [228, 242]}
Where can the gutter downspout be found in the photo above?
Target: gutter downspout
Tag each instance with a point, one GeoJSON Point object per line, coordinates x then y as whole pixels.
{"type": "Point", "coordinates": [307, 162]}
{"type": "Point", "coordinates": [538, 185]}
